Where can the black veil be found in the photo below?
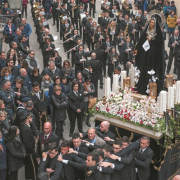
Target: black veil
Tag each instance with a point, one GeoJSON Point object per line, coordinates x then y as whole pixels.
{"type": "Point", "coordinates": [151, 59]}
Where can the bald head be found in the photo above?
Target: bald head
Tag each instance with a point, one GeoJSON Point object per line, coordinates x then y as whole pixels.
{"type": "Point", "coordinates": [93, 55]}
{"type": "Point", "coordinates": [23, 72]}
{"type": "Point", "coordinates": [46, 31]}
{"type": "Point", "coordinates": [177, 177]}
{"type": "Point", "coordinates": [47, 128]}
{"type": "Point", "coordinates": [104, 126]}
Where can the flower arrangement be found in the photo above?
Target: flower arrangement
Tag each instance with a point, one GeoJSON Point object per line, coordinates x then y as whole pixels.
{"type": "Point", "coordinates": [121, 105]}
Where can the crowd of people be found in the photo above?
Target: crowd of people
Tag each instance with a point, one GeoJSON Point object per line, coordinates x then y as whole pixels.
{"type": "Point", "coordinates": [34, 105]}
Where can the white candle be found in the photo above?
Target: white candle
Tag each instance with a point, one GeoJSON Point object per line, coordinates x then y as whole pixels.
{"type": "Point", "coordinates": [107, 86]}
{"type": "Point", "coordinates": [123, 75]}
{"type": "Point", "coordinates": [115, 83]}
{"type": "Point", "coordinates": [162, 101]}
{"type": "Point", "coordinates": [170, 97]}
{"type": "Point", "coordinates": [131, 74]}
{"type": "Point", "coordinates": [178, 92]}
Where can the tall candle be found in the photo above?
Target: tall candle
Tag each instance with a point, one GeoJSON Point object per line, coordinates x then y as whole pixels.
{"type": "Point", "coordinates": [178, 92]}
{"type": "Point", "coordinates": [132, 75]}
{"type": "Point", "coordinates": [170, 103]}
{"type": "Point", "coordinates": [162, 101]}
{"type": "Point", "coordinates": [123, 75]}
{"type": "Point", "coordinates": [115, 83]}
{"type": "Point", "coordinates": [107, 86]}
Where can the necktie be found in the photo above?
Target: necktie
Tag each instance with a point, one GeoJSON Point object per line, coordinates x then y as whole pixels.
{"type": "Point", "coordinates": [45, 137]}
{"type": "Point", "coordinates": [141, 151]}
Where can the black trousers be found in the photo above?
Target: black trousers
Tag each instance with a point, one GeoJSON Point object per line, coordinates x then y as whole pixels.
{"type": "Point", "coordinates": [59, 129]}
{"type": "Point", "coordinates": [54, 17]}
{"type": "Point", "coordinates": [74, 116]}
{"type": "Point", "coordinates": [13, 175]}
{"type": "Point", "coordinates": [171, 56]}
{"type": "Point", "coordinates": [57, 23]}
{"type": "Point", "coordinates": [31, 167]}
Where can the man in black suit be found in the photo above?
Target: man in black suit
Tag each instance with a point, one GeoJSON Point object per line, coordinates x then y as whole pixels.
{"type": "Point", "coordinates": [78, 145]}
{"type": "Point", "coordinates": [40, 103]}
{"type": "Point", "coordinates": [121, 171]}
{"type": "Point", "coordinates": [100, 55]}
{"type": "Point", "coordinates": [68, 172]}
{"type": "Point", "coordinates": [84, 23]}
{"type": "Point", "coordinates": [133, 31]}
{"type": "Point", "coordinates": [80, 58]}
{"type": "Point", "coordinates": [143, 159]}
{"type": "Point", "coordinates": [50, 164]}
{"type": "Point", "coordinates": [142, 22]}
{"type": "Point", "coordinates": [127, 47]}
{"type": "Point", "coordinates": [76, 107]}
{"type": "Point", "coordinates": [174, 45]}
{"type": "Point", "coordinates": [87, 71]}
{"type": "Point", "coordinates": [128, 159]}
{"type": "Point", "coordinates": [28, 140]}
{"type": "Point", "coordinates": [89, 169]}
{"type": "Point", "coordinates": [105, 21]}
{"type": "Point", "coordinates": [46, 137]}
{"type": "Point", "coordinates": [95, 65]}
{"type": "Point", "coordinates": [14, 69]}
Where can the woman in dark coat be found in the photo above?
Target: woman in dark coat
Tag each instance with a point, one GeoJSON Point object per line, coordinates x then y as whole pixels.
{"type": "Point", "coordinates": [15, 152]}
{"type": "Point", "coordinates": [76, 107]}
{"type": "Point", "coordinates": [68, 71]}
{"type": "Point", "coordinates": [22, 90]}
{"type": "Point", "coordinates": [60, 104]}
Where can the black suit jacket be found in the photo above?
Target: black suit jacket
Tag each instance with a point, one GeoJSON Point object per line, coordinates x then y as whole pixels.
{"type": "Point", "coordinates": [143, 162]}
{"type": "Point", "coordinates": [86, 73]}
{"type": "Point", "coordinates": [95, 65]}
{"type": "Point", "coordinates": [76, 102]}
{"type": "Point", "coordinates": [40, 105]}
{"type": "Point", "coordinates": [27, 137]}
{"type": "Point", "coordinates": [100, 55]}
{"type": "Point", "coordinates": [69, 170]}
{"type": "Point", "coordinates": [52, 139]}
{"type": "Point", "coordinates": [53, 164]}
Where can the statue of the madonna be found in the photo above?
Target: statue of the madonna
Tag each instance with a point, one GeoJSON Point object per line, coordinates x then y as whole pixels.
{"type": "Point", "coordinates": [150, 58]}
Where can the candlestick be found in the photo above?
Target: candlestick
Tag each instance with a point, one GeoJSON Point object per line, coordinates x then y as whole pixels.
{"type": "Point", "coordinates": [115, 83]}
{"type": "Point", "coordinates": [123, 75]}
{"type": "Point", "coordinates": [178, 92]}
{"type": "Point", "coordinates": [170, 103]}
{"type": "Point", "coordinates": [162, 102]}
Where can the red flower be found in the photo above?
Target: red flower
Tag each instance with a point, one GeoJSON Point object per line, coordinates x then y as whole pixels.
{"type": "Point", "coordinates": [107, 110]}
{"type": "Point", "coordinates": [141, 122]}
{"type": "Point", "coordinates": [126, 110]}
{"type": "Point", "coordinates": [97, 109]}
{"type": "Point", "coordinates": [121, 112]}
{"type": "Point", "coordinates": [111, 95]}
{"type": "Point", "coordinates": [126, 117]}
{"type": "Point", "coordinates": [118, 112]}
{"type": "Point", "coordinates": [129, 114]}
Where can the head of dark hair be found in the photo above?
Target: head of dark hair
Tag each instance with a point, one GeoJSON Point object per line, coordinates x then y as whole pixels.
{"type": "Point", "coordinates": [74, 83]}
{"type": "Point", "coordinates": [12, 132]}
{"type": "Point", "coordinates": [125, 139]}
{"type": "Point", "coordinates": [75, 136]}
{"type": "Point", "coordinates": [94, 156]}
{"type": "Point", "coordinates": [65, 143]}
{"type": "Point", "coordinates": [118, 142]}
{"type": "Point", "coordinates": [21, 38]}
{"type": "Point", "coordinates": [29, 104]}
{"type": "Point", "coordinates": [146, 138]}
{"type": "Point", "coordinates": [24, 63]}
{"type": "Point", "coordinates": [42, 176]}
{"type": "Point", "coordinates": [53, 146]}
{"type": "Point", "coordinates": [107, 148]}
{"type": "Point", "coordinates": [55, 78]}
{"type": "Point", "coordinates": [35, 70]}
{"type": "Point", "coordinates": [99, 152]}
{"type": "Point", "coordinates": [35, 84]}
{"type": "Point", "coordinates": [118, 68]}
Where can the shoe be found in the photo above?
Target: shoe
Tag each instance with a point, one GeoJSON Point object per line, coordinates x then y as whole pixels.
{"type": "Point", "coordinates": [70, 134]}
{"type": "Point", "coordinates": [53, 24]}
{"type": "Point", "coordinates": [58, 30]}
{"type": "Point", "coordinates": [101, 86]}
{"type": "Point", "coordinates": [88, 124]}
{"type": "Point", "coordinates": [60, 38]}
{"type": "Point", "coordinates": [62, 138]}
{"type": "Point", "coordinates": [64, 123]}
{"type": "Point", "coordinates": [81, 132]}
